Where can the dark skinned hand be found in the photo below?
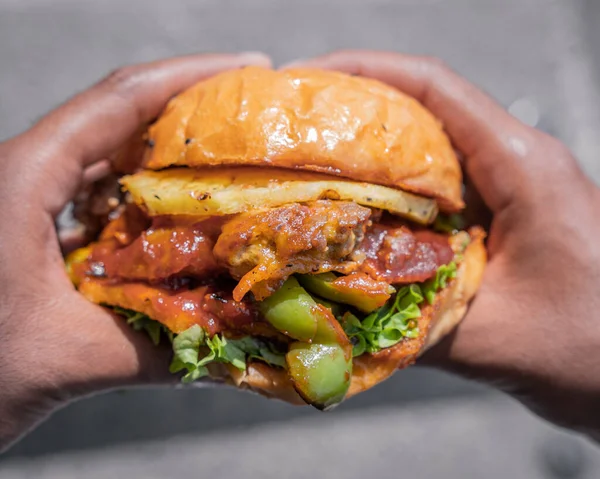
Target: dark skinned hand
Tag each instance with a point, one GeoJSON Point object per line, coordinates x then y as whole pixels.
{"type": "Point", "coordinates": [56, 346]}
{"type": "Point", "coordinates": [532, 330]}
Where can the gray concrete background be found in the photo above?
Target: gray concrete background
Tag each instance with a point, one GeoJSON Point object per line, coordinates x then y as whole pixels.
{"type": "Point", "coordinates": [539, 58]}
{"type": "Point", "coordinates": [480, 439]}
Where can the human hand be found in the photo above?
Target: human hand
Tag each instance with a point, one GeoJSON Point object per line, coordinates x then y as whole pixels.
{"type": "Point", "coordinates": [532, 329]}
{"type": "Point", "coordinates": [56, 346]}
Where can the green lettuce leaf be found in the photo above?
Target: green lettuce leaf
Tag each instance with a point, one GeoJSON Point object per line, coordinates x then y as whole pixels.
{"type": "Point", "coordinates": [226, 352]}
{"type": "Point", "coordinates": [398, 318]}
{"type": "Point", "coordinates": [256, 349]}
{"type": "Point", "coordinates": [193, 350]}
{"type": "Point", "coordinates": [444, 274]}
{"type": "Point", "coordinates": [186, 354]}
{"type": "Point", "coordinates": [141, 322]}
{"type": "Point", "coordinates": [388, 325]}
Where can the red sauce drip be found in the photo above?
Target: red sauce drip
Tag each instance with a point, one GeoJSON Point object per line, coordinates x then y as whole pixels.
{"type": "Point", "coordinates": [361, 282]}
{"type": "Point", "coordinates": [207, 306]}
{"type": "Point", "coordinates": [236, 315]}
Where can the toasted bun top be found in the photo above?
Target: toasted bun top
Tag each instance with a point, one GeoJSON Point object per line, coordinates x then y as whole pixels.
{"type": "Point", "coordinates": [314, 120]}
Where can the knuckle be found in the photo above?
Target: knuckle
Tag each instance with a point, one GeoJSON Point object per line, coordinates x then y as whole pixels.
{"type": "Point", "coordinates": [523, 139]}
{"type": "Point", "coordinates": [344, 53]}
{"type": "Point", "coordinates": [433, 72]}
{"type": "Point", "coordinates": [350, 53]}
{"type": "Point", "coordinates": [435, 65]}
{"type": "Point", "coordinates": [553, 146]}
{"type": "Point", "coordinates": [121, 79]}
{"type": "Point", "coordinates": [6, 153]}
{"type": "Point", "coordinates": [122, 83]}
{"type": "Point", "coordinates": [345, 57]}
{"type": "Point", "coordinates": [559, 148]}
{"type": "Point", "coordinates": [553, 164]}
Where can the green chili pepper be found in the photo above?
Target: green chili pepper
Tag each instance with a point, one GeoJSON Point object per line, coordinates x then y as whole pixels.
{"type": "Point", "coordinates": [324, 285]}
{"type": "Point", "coordinates": [320, 363]}
{"type": "Point", "coordinates": [329, 329]}
{"type": "Point", "coordinates": [291, 310]}
{"type": "Point", "coordinates": [320, 372]}
{"type": "Point", "coordinates": [336, 309]}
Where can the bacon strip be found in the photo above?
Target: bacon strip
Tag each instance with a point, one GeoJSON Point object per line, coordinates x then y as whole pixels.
{"type": "Point", "coordinates": [168, 247]}
{"type": "Point", "coordinates": [159, 253]}
{"type": "Point", "coordinates": [398, 256]}
{"type": "Point", "coordinates": [261, 247]}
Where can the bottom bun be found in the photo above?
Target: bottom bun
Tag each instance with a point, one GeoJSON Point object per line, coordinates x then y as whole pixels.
{"type": "Point", "coordinates": [436, 321]}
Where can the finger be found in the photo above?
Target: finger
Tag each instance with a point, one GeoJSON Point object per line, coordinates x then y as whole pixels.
{"type": "Point", "coordinates": [476, 349]}
{"type": "Point", "coordinates": [97, 121]}
{"type": "Point", "coordinates": [96, 172]}
{"type": "Point", "coordinates": [71, 233]}
{"type": "Point", "coordinates": [121, 355]}
{"type": "Point", "coordinates": [494, 142]}
{"type": "Point", "coordinates": [71, 238]}
{"type": "Point", "coordinates": [476, 212]}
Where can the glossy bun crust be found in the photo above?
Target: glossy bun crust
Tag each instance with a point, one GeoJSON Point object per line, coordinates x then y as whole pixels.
{"type": "Point", "coordinates": [313, 120]}
{"type": "Point", "coordinates": [436, 321]}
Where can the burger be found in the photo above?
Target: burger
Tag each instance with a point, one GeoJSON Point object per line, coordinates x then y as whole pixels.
{"type": "Point", "coordinates": [296, 233]}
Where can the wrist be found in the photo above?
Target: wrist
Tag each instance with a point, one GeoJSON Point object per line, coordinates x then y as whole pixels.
{"type": "Point", "coordinates": [23, 404]}
{"type": "Point", "coordinates": [31, 387]}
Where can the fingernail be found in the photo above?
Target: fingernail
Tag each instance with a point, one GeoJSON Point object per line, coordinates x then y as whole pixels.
{"type": "Point", "coordinates": [254, 58]}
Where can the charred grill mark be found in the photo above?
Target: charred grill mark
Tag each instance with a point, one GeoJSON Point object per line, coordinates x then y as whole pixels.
{"type": "Point", "coordinates": [203, 196]}
{"type": "Point", "coordinates": [218, 297]}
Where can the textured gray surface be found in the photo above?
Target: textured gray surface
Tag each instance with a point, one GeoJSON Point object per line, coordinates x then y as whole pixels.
{"type": "Point", "coordinates": [540, 53]}
{"type": "Point", "coordinates": [451, 439]}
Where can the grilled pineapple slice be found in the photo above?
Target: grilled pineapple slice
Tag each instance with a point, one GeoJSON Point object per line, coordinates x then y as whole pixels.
{"type": "Point", "coordinates": [225, 191]}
